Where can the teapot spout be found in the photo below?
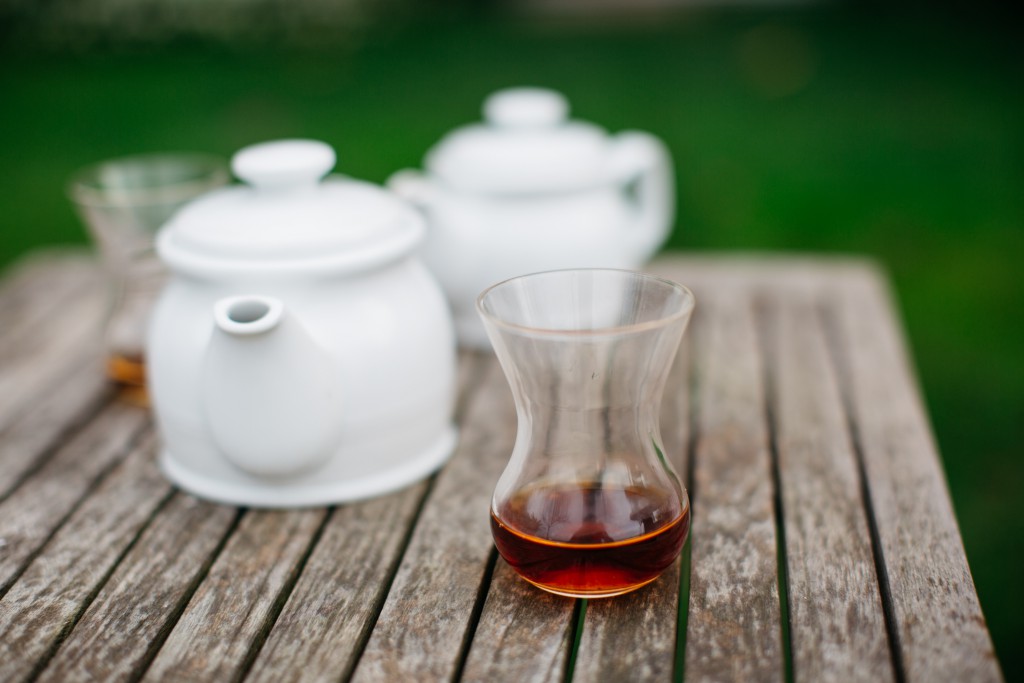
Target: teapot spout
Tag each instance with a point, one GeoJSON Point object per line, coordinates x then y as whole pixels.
{"type": "Point", "coordinates": [267, 389]}
{"type": "Point", "coordinates": [243, 316]}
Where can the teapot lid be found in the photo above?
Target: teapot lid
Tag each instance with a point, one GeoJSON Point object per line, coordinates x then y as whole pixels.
{"type": "Point", "coordinates": [289, 215]}
{"type": "Point", "coordinates": [525, 145]}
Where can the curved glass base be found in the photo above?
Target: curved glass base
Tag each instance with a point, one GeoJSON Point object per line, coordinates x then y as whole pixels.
{"type": "Point", "coordinates": [589, 569]}
{"type": "Point", "coordinates": [607, 593]}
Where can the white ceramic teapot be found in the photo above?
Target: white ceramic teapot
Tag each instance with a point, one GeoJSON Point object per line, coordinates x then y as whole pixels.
{"type": "Point", "coordinates": [301, 354]}
{"type": "Point", "coordinates": [530, 190]}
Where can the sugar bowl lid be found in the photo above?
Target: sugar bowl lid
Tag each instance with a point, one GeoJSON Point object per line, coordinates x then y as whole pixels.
{"type": "Point", "coordinates": [527, 144]}
{"type": "Point", "coordinates": [287, 215]}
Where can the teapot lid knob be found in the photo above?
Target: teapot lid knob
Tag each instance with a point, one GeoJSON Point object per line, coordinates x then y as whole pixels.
{"type": "Point", "coordinates": [526, 107]}
{"type": "Point", "coordinates": [283, 163]}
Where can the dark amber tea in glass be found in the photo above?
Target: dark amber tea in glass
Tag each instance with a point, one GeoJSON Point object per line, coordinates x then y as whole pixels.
{"type": "Point", "coordinates": [589, 540]}
{"type": "Point", "coordinates": [124, 202]}
{"type": "Point", "coordinates": [588, 505]}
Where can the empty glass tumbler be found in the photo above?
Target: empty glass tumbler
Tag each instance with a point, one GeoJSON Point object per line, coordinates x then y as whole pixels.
{"type": "Point", "coordinates": [124, 202]}
{"type": "Point", "coordinates": [588, 505]}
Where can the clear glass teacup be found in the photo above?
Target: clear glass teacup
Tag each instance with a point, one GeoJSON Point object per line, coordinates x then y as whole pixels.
{"type": "Point", "coordinates": [588, 506]}
{"type": "Point", "coordinates": [123, 203]}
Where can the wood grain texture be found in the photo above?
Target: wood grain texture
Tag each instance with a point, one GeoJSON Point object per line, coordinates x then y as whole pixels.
{"type": "Point", "coordinates": [31, 514]}
{"type": "Point", "coordinates": [633, 637]}
{"type": "Point", "coordinates": [46, 390]}
{"type": "Point", "coordinates": [36, 291]}
{"type": "Point", "coordinates": [104, 575]}
{"type": "Point", "coordinates": [835, 608]}
{"type": "Point", "coordinates": [50, 360]}
{"type": "Point", "coordinates": [734, 630]}
{"type": "Point", "coordinates": [524, 633]}
{"type": "Point", "coordinates": [54, 416]}
{"type": "Point", "coordinates": [47, 352]}
{"type": "Point", "coordinates": [328, 616]}
{"type": "Point", "coordinates": [135, 609]}
{"type": "Point", "coordinates": [227, 617]}
{"type": "Point", "coordinates": [940, 627]}
{"type": "Point", "coordinates": [424, 622]}
{"type": "Point", "coordinates": [18, 285]}
{"type": "Point", "coordinates": [59, 583]}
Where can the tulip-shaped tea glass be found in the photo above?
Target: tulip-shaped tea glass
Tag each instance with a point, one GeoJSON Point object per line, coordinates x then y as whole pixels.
{"type": "Point", "coordinates": [124, 202]}
{"type": "Point", "coordinates": [588, 505]}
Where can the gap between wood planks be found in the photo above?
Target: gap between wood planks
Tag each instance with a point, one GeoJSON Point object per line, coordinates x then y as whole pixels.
{"type": "Point", "coordinates": [471, 383]}
{"type": "Point", "coordinates": [97, 480]}
{"type": "Point", "coordinates": [474, 617]}
{"type": "Point", "coordinates": [282, 598]}
{"type": "Point", "coordinates": [180, 606]}
{"type": "Point", "coordinates": [43, 661]}
{"type": "Point", "coordinates": [693, 437]}
{"type": "Point", "coordinates": [66, 433]}
{"type": "Point", "coordinates": [838, 358]}
{"type": "Point", "coordinates": [389, 581]}
{"type": "Point", "coordinates": [579, 613]}
{"type": "Point", "coordinates": [763, 319]}
{"type": "Point", "coordinates": [182, 603]}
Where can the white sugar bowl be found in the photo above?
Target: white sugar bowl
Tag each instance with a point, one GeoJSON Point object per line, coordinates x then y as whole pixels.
{"type": "Point", "coordinates": [529, 190]}
{"type": "Point", "coordinates": [301, 353]}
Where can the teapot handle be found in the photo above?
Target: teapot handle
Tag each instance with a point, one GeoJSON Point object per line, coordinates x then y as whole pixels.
{"type": "Point", "coordinates": [643, 159]}
{"type": "Point", "coordinates": [412, 186]}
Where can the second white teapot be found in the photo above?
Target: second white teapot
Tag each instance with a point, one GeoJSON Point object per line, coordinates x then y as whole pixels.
{"type": "Point", "coordinates": [529, 190]}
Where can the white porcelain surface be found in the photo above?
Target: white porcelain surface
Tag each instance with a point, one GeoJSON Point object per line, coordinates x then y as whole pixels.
{"type": "Point", "coordinates": [301, 354]}
{"type": "Point", "coordinates": [529, 190]}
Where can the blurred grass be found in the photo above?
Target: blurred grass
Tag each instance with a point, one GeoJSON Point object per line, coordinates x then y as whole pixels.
{"type": "Point", "coordinates": [828, 131]}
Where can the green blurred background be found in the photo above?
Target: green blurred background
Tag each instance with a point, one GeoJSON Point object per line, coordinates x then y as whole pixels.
{"type": "Point", "coordinates": [894, 130]}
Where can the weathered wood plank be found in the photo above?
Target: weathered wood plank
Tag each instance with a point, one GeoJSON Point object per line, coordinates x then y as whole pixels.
{"type": "Point", "coordinates": [18, 282]}
{"type": "Point", "coordinates": [45, 395]}
{"type": "Point", "coordinates": [427, 621]}
{"type": "Point", "coordinates": [59, 583]}
{"type": "Point", "coordinates": [939, 623]}
{"type": "Point", "coordinates": [524, 634]}
{"type": "Point", "coordinates": [792, 271]}
{"type": "Point", "coordinates": [733, 630]}
{"type": "Point", "coordinates": [30, 515]}
{"type": "Point", "coordinates": [227, 617]}
{"type": "Point", "coordinates": [135, 609]}
{"type": "Point", "coordinates": [36, 287]}
{"type": "Point", "coordinates": [328, 617]}
{"type": "Point", "coordinates": [68, 337]}
{"type": "Point", "coordinates": [633, 637]}
{"type": "Point", "coordinates": [50, 420]}
{"type": "Point", "coordinates": [835, 609]}
{"type": "Point", "coordinates": [424, 622]}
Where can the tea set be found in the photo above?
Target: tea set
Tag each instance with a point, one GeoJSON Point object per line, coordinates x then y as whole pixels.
{"type": "Point", "coordinates": [303, 350]}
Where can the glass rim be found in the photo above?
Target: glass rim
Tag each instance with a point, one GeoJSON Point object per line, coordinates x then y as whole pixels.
{"type": "Point", "coordinates": [211, 171]}
{"type": "Point", "coordinates": [690, 301]}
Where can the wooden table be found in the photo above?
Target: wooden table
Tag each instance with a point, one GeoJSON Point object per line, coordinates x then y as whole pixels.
{"type": "Point", "coordinates": [823, 548]}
